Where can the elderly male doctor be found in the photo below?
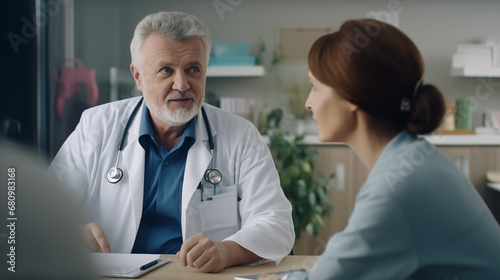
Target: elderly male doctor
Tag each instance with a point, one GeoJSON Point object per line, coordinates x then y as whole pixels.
{"type": "Point", "coordinates": [163, 202]}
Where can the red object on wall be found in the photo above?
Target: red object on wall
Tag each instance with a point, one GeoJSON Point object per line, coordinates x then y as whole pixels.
{"type": "Point", "coordinates": [69, 84]}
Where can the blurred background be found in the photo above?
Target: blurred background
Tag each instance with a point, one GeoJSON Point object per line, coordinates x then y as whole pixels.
{"type": "Point", "coordinates": [60, 57]}
{"type": "Point", "coordinates": [43, 40]}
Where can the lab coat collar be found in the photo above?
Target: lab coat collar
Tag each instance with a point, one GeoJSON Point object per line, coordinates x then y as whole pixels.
{"type": "Point", "coordinates": [198, 159]}
{"type": "Point", "coordinates": [201, 130]}
{"type": "Point", "coordinates": [134, 160]}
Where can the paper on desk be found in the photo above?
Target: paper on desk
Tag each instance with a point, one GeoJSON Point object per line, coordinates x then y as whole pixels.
{"type": "Point", "coordinates": [114, 263]}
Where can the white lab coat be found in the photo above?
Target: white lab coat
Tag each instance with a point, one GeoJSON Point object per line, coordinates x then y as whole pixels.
{"type": "Point", "coordinates": [250, 207]}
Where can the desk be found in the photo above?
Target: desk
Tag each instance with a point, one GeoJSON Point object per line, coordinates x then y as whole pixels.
{"type": "Point", "coordinates": [174, 269]}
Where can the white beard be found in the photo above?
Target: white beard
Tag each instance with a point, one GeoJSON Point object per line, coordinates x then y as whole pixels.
{"type": "Point", "coordinates": [174, 118]}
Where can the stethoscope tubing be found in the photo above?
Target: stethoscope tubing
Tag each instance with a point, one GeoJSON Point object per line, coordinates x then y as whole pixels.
{"type": "Point", "coordinates": [115, 174]}
{"type": "Point", "coordinates": [129, 121]}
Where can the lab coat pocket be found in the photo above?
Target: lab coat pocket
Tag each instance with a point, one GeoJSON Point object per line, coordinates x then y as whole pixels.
{"type": "Point", "coordinates": [219, 211]}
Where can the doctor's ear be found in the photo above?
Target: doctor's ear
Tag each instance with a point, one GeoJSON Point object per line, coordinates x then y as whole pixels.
{"type": "Point", "coordinates": [137, 76]}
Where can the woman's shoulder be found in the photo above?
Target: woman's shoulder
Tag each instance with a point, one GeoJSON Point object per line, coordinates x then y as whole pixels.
{"type": "Point", "coordinates": [412, 165]}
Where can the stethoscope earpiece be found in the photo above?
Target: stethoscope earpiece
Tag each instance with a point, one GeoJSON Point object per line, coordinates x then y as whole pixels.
{"type": "Point", "coordinates": [114, 175]}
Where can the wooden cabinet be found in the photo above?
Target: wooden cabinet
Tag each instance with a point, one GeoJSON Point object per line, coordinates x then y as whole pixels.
{"type": "Point", "coordinates": [350, 174]}
{"type": "Point", "coordinates": [474, 162]}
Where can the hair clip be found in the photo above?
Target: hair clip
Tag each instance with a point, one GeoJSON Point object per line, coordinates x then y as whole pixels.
{"type": "Point", "coordinates": [405, 105]}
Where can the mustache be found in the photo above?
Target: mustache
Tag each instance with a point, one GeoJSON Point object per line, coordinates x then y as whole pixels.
{"type": "Point", "coordinates": [180, 94]}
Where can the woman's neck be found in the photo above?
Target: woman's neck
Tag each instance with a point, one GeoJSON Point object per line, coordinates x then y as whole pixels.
{"type": "Point", "coordinates": [368, 142]}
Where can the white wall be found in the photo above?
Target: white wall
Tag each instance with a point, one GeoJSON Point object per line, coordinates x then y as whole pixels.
{"type": "Point", "coordinates": [104, 29]}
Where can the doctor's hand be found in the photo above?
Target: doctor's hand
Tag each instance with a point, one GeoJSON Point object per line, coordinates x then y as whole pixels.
{"type": "Point", "coordinates": [96, 239]}
{"type": "Point", "coordinates": [202, 252]}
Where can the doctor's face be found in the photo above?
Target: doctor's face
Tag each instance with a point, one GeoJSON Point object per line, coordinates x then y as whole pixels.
{"type": "Point", "coordinates": [332, 113]}
{"type": "Point", "coordinates": [171, 76]}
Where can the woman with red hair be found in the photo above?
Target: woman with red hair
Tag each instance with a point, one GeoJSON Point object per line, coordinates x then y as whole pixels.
{"type": "Point", "coordinates": [416, 216]}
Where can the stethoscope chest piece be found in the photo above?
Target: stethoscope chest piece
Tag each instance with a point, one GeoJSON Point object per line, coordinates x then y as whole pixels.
{"type": "Point", "coordinates": [114, 175]}
{"type": "Point", "coordinates": [213, 176]}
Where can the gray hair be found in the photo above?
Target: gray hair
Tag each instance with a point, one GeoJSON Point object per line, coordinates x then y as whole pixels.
{"type": "Point", "coordinates": [175, 25]}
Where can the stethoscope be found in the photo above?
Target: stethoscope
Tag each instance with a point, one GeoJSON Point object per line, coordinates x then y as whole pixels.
{"type": "Point", "coordinates": [212, 175]}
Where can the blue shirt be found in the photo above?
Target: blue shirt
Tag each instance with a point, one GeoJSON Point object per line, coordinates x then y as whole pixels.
{"type": "Point", "coordinates": [160, 228]}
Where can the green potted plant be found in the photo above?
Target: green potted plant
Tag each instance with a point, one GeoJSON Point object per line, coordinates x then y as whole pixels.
{"type": "Point", "coordinates": [295, 164]}
{"type": "Point", "coordinates": [269, 63]}
{"type": "Point", "coordinates": [298, 91]}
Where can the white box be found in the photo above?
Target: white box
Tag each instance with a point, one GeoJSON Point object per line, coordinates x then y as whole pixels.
{"type": "Point", "coordinates": [495, 45]}
{"type": "Point", "coordinates": [471, 61]}
{"type": "Point", "coordinates": [475, 49]}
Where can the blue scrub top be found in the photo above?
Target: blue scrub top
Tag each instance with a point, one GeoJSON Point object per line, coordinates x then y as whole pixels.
{"type": "Point", "coordinates": [160, 228]}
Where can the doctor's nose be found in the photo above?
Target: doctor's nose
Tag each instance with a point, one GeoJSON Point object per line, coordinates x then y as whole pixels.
{"type": "Point", "coordinates": [180, 82]}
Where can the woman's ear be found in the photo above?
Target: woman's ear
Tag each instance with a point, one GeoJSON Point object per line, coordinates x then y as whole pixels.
{"type": "Point", "coordinates": [352, 107]}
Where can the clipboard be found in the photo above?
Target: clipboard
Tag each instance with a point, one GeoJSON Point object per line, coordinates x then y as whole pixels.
{"type": "Point", "coordinates": [137, 272]}
{"type": "Point", "coordinates": [113, 265]}
{"type": "Point", "coordinates": [284, 275]}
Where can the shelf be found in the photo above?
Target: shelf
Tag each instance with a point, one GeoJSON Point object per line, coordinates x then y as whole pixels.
{"type": "Point", "coordinates": [475, 72]}
{"type": "Point", "coordinates": [494, 186]}
{"type": "Point", "coordinates": [464, 140]}
{"type": "Point", "coordinates": [437, 139]}
{"type": "Point", "coordinates": [235, 71]}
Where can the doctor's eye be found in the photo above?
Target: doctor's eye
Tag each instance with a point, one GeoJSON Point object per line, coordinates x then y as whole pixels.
{"type": "Point", "coordinates": [167, 70]}
{"type": "Point", "coordinates": [193, 70]}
